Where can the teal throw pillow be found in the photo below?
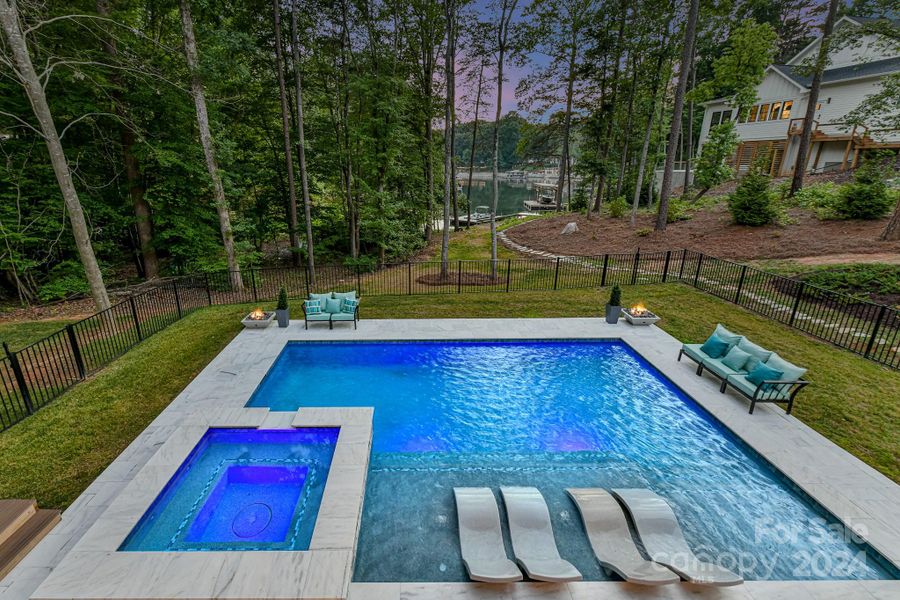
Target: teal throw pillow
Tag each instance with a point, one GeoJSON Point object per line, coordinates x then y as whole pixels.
{"type": "Point", "coordinates": [714, 347]}
{"type": "Point", "coordinates": [761, 373]}
{"type": "Point", "coordinates": [735, 359]}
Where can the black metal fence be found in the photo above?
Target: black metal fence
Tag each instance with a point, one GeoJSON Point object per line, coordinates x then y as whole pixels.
{"type": "Point", "coordinates": [32, 377]}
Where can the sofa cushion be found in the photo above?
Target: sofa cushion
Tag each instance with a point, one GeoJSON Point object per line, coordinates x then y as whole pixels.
{"type": "Point", "coordinates": [714, 347]}
{"type": "Point", "coordinates": [720, 368]}
{"type": "Point", "coordinates": [775, 393]}
{"type": "Point", "coordinates": [730, 338]}
{"type": "Point", "coordinates": [790, 371]}
{"type": "Point", "coordinates": [757, 353]}
{"type": "Point", "coordinates": [341, 295]}
{"type": "Point", "coordinates": [342, 316]}
{"type": "Point", "coordinates": [736, 359]}
{"type": "Point", "coordinates": [693, 350]}
{"type": "Point", "coordinates": [322, 316]}
{"type": "Point", "coordinates": [332, 306]}
{"type": "Point", "coordinates": [322, 298]}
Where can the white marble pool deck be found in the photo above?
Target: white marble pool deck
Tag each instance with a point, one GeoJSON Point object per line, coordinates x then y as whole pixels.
{"type": "Point", "coordinates": [78, 558]}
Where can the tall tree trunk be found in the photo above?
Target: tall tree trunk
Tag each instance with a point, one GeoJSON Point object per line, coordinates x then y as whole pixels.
{"type": "Point", "coordinates": [301, 143]}
{"type": "Point", "coordinates": [626, 135]}
{"type": "Point", "coordinates": [507, 7]}
{"type": "Point", "coordinates": [286, 132]}
{"type": "Point", "coordinates": [449, 112]}
{"type": "Point", "coordinates": [690, 32]}
{"type": "Point", "coordinates": [812, 99]}
{"type": "Point", "coordinates": [472, 151]}
{"type": "Point", "coordinates": [15, 40]}
{"type": "Point", "coordinates": [604, 153]}
{"type": "Point", "coordinates": [648, 134]}
{"type": "Point", "coordinates": [567, 125]}
{"type": "Point", "coordinates": [690, 126]}
{"type": "Point", "coordinates": [142, 213]}
{"type": "Point", "coordinates": [206, 140]}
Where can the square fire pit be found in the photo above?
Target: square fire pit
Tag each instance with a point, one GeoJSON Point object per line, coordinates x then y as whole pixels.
{"type": "Point", "coordinates": [639, 315]}
{"type": "Point", "coordinates": [258, 319]}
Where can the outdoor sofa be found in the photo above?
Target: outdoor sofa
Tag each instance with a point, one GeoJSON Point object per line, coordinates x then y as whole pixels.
{"type": "Point", "coordinates": [759, 374]}
{"type": "Point", "coordinates": [331, 308]}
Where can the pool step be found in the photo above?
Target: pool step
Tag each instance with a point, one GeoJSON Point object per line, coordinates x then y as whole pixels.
{"type": "Point", "coordinates": [22, 526]}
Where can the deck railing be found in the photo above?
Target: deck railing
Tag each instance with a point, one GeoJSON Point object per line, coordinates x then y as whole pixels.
{"type": "Point", "coordinates": [34, 376]}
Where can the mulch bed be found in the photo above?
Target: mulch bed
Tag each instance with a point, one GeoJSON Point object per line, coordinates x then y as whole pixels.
{"type": "Point", "coordinates": [710, 231]}
{"type": "Point", "coordinates": [452, 278]}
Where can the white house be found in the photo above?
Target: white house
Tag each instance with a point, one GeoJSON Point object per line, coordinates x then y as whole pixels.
{"type": "Point", "coordinates": [774, 124]}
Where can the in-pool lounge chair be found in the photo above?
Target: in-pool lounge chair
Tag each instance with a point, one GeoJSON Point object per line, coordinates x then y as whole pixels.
{"type": "Point", "coordinates": [664, 542]}
{"type": "Point", "coordinates": [532, 536]}
{"type": "Point", "coordinates": [607, 530]}
{"type": "Point", "coordinates": [480, 537]}
{"type": "Point", "coordinates": [331, 308]}
{"type": "Point", "coordinates": [756, 373]}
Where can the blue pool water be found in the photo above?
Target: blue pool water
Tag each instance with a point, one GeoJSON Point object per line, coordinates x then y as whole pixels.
{"type": "Point", "coordinates": [241, 489]}
{"type": "Point", "coordinates": [550, 414]}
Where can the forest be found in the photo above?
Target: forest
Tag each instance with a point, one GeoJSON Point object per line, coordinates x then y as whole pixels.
{"type": "Point", "coordinates": [147, 138]}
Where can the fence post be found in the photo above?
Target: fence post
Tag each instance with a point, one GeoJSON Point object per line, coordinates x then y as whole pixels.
{"type": "Point", "coordinates": [208, 291]}
{"type": "Point", "coordinates": [697, 272]}
{"type": "Point", "coordinates": [253, 283]}
{"type": "Point", "coordinates": [508, 269]}
{"type": "Point", "coordinates": [634, 270]}
{"type": "Point", "coordinates": [796, 303]}
{"type": "Point", "coordinates": [20, 378]}
{"type": "Point", "coordinates": [409, 278]}
{"type": "Point", "coordinates": [666, 266]}
{"type": "Point", "coordinates": [459, 277]}
{"type": "Point", "coordinates": [681, 268]}
{"type": "Point", "coordinates": [76, 351]}
{"type": "Point", "coordinates": [737, 295]}
{"type": "Point", "coordinates": [134, 315]}
{"type": "Point", "coordinates": [603, 276]}
{"type": "Point", "coordinates": [556, 274]}
{"type": "Point", "coordinates": [875, 330]}
{"type": "Point", "coordinates": [177, 297]}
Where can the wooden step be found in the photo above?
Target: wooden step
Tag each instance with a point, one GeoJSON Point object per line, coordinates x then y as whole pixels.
{"type": "Point", "coordinates": [25, 538]}
{"type": "Point", "coordinates": [14, 514]}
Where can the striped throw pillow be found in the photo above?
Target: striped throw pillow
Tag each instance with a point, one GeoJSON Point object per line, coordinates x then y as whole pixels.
{"type": "Point", "coordinates": [349, 305]}
{"type": "Point", "coordinates": [312, 307]}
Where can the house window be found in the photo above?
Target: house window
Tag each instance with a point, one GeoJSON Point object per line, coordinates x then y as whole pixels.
{"type": "Point", "coordinates": [751, 116]}
{"type": "Point", "coordinates": [775, 114]}
{"type": "Point", "coordinates": [786, 109]}
{"type": "Point", "coordinates": [726, 116]}
{"type": "Point", "coordinates": [763, 112]}
{"type": "Point", "coordinates": [716, 118]}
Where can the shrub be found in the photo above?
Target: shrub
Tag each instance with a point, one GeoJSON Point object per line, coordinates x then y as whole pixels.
{"type": "Point", "coordinates": [618, 207]}
{"type": "Point", "coordinates": [867, 196]}
{"type": "Point", "coordinates": [365, 264]}
{"type": "Point", "coordinates": [752, 202]}
{"type": "Point", "coordinates": [615, 296]}
{"type": "Point", "coordinates": [824, 199]}
{"type": "Point", "coordinates": [65, 281]}
{"type": "Point", "coordinates": [643, 232]}
{"type": "Point", "coordinates": [677, 211]}
{"type": "Point", "coordinates": [712, 168]}
{"type": "Point", "coordinates": [282, 300]}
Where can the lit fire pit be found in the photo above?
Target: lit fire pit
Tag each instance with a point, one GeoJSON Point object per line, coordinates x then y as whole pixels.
{"type": "Point", "coordinates": [639, 315]}
{"type": "Point", "coordinates": [258, 319]}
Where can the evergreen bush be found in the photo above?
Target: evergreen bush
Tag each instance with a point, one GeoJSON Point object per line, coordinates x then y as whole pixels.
{"type": "Point", "coordinates": [618, 207]}
{"type": "Point", "coordinates": [752, 203]}
{"type": "Point", "coordinates": [282, 299]}
{"type": "Point", "coordinates": [867, 196]}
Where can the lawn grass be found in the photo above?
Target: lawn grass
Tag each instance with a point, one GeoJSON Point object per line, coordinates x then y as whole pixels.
{"type": "Point", "coordinates": [20, 334]}
{"type": "Point", "coordinates": [56, 453]}
{"type": "Point", "coordinates": [473, 244]}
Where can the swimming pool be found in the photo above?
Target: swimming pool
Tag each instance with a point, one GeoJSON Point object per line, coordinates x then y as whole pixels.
{"type": "Point", "coordinates": [550, 414]}
{"type": "Point", "coordinates": [241, 489]}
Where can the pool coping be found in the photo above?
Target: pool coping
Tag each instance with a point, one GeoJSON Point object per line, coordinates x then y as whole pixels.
{"type": "Point", "coordinates": [858, 495]}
